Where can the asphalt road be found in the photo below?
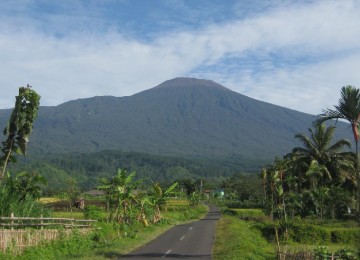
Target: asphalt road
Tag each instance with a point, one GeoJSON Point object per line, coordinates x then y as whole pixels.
{"type": "Point", "coordinates": [193, 241]}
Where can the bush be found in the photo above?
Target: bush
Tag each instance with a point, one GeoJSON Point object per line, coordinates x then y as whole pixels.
{"type": "Point", "coordinates": [306, 233]}
{"type": "Point", "coordinates": [230, 212]}
{"type": "Point", "coordinates": [93, 212]}
{"type": "Point", "coordinates": [346, 236]}
{"type": "Point", "coordinates": [245, 204]}
{"type": "Point", "coordinates": [297, 232]}
{"type": "Point", "coordinates": [348, 254]}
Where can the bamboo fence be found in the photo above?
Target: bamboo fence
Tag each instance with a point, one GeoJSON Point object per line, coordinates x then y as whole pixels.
{"type": "Point", "coordinates": [18, 233]}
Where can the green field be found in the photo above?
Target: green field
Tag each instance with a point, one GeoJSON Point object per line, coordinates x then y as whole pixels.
{"type": "Point", "coordinates": [249, 234]}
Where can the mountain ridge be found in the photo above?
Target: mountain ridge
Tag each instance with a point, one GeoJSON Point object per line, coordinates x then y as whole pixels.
{"type": "Point", "coordinates": [179, 117]}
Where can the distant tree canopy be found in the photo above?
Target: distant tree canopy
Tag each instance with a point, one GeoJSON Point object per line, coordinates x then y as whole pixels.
{"type": "Point", "coordinates": [87, 169]}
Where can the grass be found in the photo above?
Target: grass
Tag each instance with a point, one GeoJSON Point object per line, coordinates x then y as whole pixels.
{"type": "Point", "coordinates": [249, 212]}
{"type": "Point", "coordinates": [115, 244]}
{"type": "Point", "coordinates": [177, 202]}
{"type": "Point", "coordinates": [68, 214]}
{"type": "Point", "coordinates": [108, 240]}
{"type": "Point", "coordinates": [46, 200]}
{"type": "Point", "coordinates": [237, 239]}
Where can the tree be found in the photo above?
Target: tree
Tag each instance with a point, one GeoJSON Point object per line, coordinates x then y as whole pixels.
{"type": "Point", "coordinates": [19, 126]}
{"type": "Point", "coordinates": [120, 194]}
{"type": "Point", "coordinates": [27, 184]}
{"type": "Point", "coordinates": [158, 199]}
{"type": "Point", "coordinates": [348, 109]}
{"type": "Point", "coordinates": [274, 188]}
{"type": "Point", "coordinates": [296, 183]}
{"type": "Point", "coordinates": [18, 194]}
{"type": "Point", "coordinates": [322, 161]}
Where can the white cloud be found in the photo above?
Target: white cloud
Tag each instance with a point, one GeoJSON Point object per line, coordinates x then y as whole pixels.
{"type": "Point", "coordinates": [296, 56]}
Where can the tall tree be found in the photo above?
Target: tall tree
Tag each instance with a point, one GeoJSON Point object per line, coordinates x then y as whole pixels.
{"type": "Point", "coordinates": [320, 156]}
{"type": "Point", "coordinates": [19, 126]}
{"type": "Point", "coordinates": [348, 109]}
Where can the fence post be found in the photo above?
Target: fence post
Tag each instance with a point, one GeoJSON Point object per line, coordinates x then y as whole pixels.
{"type": "Point", "coordinates": [41, 222]}
{"type": "Point", "coordinates": [12, 217]}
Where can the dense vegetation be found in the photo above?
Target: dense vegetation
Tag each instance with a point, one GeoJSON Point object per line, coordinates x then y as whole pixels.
{"type": "Point", "coordinates": [316, 182]}
{"type": "Point", "coordinates": [319, 178]}
{"type": "Point", "coordinates": [87, 169]}
{"type": "Point", "coordinates": [183, 117]}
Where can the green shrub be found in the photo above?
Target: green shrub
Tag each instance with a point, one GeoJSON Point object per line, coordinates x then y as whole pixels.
{"type": "Point", "coordinates": [346, 236]}
{"type": "Point", "coordinates": [348, 254]}
{"type": "Point", "coordinates": [93, 212]}
{"type": "Point", "coordinates": [245, 204]}
{"type": "Point", "coordinates": [267, 230]}
{"type": "Point", "coordinates": [230, 212]}
{"type": "Point", "coordinates": [297, 232]}
{"type": "Point", "coordinates": [306, 233]}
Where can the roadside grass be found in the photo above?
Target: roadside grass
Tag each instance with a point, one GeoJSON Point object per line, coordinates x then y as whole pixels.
{"type": "Point", "coordinates": [109, 240]}
{"type": "Point", "coordinates": [309, 235]}
{"type": "Point", "coordinates": [116, 243]}
{"type": "Point", "coordinates": [238, 239]}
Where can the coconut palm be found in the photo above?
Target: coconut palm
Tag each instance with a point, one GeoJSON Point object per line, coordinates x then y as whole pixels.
{"type": "Point", "coordinates": [348, 109]}
{"type": "Point", "coordinates": [320, 158]}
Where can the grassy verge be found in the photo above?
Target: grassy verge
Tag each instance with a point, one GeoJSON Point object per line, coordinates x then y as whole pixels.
{"type": "Point", "coordinates": [237, 239]}
{"type": "Point", "coordinates": [139, 235]}
{"type": "Point", "coordinates": [110, 240]}
{"type": "Point", "coordinates": [249, 234]}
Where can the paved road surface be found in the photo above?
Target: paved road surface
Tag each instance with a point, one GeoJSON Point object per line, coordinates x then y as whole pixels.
{"type": "Point", "coordinates": [193, 241]}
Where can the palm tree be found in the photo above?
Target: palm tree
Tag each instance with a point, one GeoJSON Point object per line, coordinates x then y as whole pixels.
{"type": "Point", "coordinates": [348, 109]}
{"type": "Point", "coordinates": [321, 158]}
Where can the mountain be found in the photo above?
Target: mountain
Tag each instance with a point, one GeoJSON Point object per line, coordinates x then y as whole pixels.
{"type": "Point", "coordinates": [183, 117]}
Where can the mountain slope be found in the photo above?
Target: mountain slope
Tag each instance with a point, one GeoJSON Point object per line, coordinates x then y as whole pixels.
{"type": "Point", "coordinates": [180, 117]}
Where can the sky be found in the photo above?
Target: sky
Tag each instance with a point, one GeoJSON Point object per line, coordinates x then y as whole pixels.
{"type": "Point", "coordinates": [295, 54]}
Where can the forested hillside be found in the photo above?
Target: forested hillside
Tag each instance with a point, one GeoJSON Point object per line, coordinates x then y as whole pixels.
{"type": "Point", "coordinates": [181, 117]}
{"type": "Point", "coordinates": [86, 169]}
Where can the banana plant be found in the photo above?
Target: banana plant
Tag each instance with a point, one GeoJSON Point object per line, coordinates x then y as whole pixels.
{"type": "Point", "coordinates": [158, 199]}
{"type": "Point", "coordinates": [121, 195]}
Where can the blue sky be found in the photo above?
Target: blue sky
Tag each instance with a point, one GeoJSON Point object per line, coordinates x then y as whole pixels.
{"type": "Point", "coordinates": [296, 54]}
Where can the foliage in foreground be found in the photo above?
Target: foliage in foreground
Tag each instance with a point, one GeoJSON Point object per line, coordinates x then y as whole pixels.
{"type": "Point", "coordinates": [72, 245]}
{"type": "Point", "coordinates": [109, 239]}
{"type": "Point", "coordinates": [19, 194]}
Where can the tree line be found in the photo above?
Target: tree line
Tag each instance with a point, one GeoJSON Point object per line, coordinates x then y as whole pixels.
{"type": "Point", "coordinates": [321, 177]}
